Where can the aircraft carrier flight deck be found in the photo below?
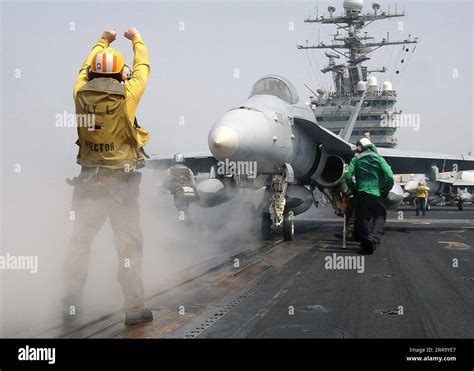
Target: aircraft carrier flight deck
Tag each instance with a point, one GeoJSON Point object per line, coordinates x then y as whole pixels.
{"type": "Point", "coordinates": [417, 284]}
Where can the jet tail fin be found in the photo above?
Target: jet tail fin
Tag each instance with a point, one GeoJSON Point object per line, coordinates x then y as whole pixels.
{"type": "Point", "coordinates": [346, 132]}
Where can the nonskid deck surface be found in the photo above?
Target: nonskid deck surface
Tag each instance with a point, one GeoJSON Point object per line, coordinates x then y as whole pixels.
{"type": "Point", "coordinates": [419, 283]}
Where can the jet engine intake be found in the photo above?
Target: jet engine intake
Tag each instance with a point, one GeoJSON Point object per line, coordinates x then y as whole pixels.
{"type": "Point", "coordinates": [330, 171]}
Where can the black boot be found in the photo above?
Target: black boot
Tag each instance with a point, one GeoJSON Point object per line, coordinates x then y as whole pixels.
{"type": "Point", "coordinates": [137, 316]}
{"type": "Point", "coordinates": [367, 247]}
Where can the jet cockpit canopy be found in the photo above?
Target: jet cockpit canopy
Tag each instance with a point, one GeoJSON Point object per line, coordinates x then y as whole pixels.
{"type": "Point", "coordinates": [277, 86]}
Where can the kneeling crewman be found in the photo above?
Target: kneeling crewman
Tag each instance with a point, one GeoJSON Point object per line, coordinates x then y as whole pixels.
{"type": "Point", "coordinates": [181, 184]}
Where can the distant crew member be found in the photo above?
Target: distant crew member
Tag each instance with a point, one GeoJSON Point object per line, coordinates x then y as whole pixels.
{"type": "Point", "coordinates": [373, 180]}
{"type": "Point", "coordinates": [181, 184]}
{"type": "Point", "coordinates": [421, 197]}
{"type": "Point", "coordinates": [110, 152]}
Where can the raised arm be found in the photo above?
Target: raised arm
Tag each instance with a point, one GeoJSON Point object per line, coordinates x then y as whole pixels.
{"type": "Point", "coordinates": [135, 87]}
{"type": "Point", "coordinates": [107, 38]}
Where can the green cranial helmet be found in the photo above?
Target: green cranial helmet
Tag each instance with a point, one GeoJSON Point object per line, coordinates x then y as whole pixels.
{"type": "Point", "coordinates": [364, 143]}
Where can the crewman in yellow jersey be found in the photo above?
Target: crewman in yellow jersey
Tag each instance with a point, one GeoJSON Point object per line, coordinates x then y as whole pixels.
{"type": "Point", "coordinates": [422, 193]}
{"type": "Point", "coordinates": [106, 96]}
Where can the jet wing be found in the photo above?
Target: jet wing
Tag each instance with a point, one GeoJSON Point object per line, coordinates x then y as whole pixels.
{"type": "Point", "coordinates": [402, 162]}
{"type": "Point", "coordinates": [198, 162]}
{"type": "Point", "coordinates": [408, 162]}
{"type": "Point", "coordinates": [463, 184]}
{"type": "Point", "coordinates": [446, 181]}
{"type": "Point", "coordinates": [330, 141]}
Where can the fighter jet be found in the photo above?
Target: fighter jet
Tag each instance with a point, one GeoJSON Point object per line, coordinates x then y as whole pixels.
{"type": "Point", "coordinates": [272, 141]}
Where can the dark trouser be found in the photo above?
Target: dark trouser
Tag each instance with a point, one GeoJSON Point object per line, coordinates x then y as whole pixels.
{"type": "Point", "coordinates": [110, 194]}
{"type": "Point", "coordinates": [370, 217]}
{"type": "Point", "coordinates": [420, 205]}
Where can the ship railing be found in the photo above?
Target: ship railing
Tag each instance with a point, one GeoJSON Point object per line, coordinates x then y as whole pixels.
{"type": "Point", "coordinates": [376, 93]}
{"type": "Point", "coordinates": [365, 110]}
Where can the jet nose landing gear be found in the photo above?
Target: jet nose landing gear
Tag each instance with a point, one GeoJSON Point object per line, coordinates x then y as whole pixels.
{"type": "Point", "coordinates": [288, 226]}
{"type": "Point", "coordinates": [274, 201]}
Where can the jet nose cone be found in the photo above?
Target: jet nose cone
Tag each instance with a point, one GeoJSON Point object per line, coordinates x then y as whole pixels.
{"type": "Point", "coordinates": [223, 142]}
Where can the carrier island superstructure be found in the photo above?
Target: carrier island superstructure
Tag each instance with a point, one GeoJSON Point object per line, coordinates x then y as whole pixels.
{"type": "Point", "coordinates": [347, 52]}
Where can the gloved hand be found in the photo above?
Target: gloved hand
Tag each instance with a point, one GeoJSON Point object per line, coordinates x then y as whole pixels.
{"type": "Point", "coordinates": [344, 202]}
{"type": "Point", "coordinates": [109, 35]}
{"type": "Point", "coordinates": [131, 33]}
